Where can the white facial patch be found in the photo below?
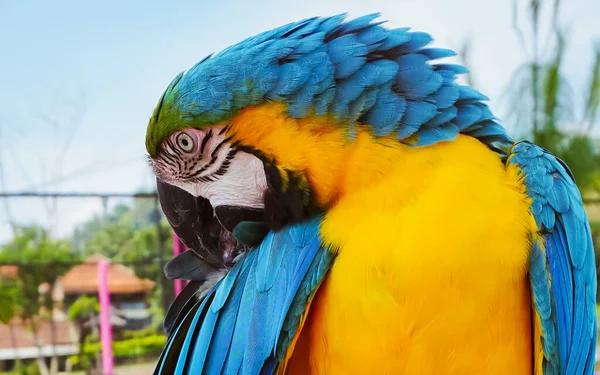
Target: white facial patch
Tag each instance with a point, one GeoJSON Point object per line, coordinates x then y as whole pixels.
{"type": "Point", "coordinates": [244, 184]}
{"type": "Point", "coordinates": [213, 168]}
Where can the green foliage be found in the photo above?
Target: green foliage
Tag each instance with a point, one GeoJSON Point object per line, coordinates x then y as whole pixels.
{"type": "Point", "coordinates": [541, 97]}
{"type": "Point", "coordinates": [140, 333]}
{"type": "Point", "coordinates": [79, 312]}
{"type": "Point", "coordinates": [29, 369]}
{"type": "Point", "coordinates": [111, 240]}
{"type": "Point", "coordinates": [593, 98]}
{"type": "Point", "coordinates": [7, 302]}
{"type": "Point", "coordinates": [128, 235]}
{"type": "Point", "coordinates": [582, 158]}
{"type": "Point", "coordinates": [157, 311]}
{"type": "Point", "coordinates": [83, 308]}
{"type": "Point", "coordinates": [24, 369]}
{"type": "Point", "coordinates": [40, 260]}
{"type": "Point", "coordinates": [136, 348]}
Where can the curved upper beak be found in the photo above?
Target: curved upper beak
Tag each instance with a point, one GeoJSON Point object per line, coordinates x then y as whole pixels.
{"type": "Point", "coordinates": [193, 220]}
{"type": "Point", "coordinates": [216, 234]}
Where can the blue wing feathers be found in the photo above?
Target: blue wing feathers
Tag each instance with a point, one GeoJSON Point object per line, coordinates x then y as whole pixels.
{"type": "Point", "coordinates": [310, 43]}
{"type": "Point", "coordinates": [319, 61]}
{"type": "Point", "coordinates": [395, 38]}
{"type": "Point", "coordinates": [446, 132]}
{"type": "Point", "coordinates": [358, 23]}
{"type": "Point", "coordinates": [221, 342]}
{"type": "Point", "coordinates": [417, 40]}
{"type": "Point", "coordinates": [468, 93]}
{"type": "Point", "coordinates": [168, 360]}
{"type": "Point", "coordinates": [418, 113]}
{"type": "Point", "coordinates": [446, 96]}
{"type": "Point", "coordinates": [314, 276]}
{"type": "Point", "coordinates": [562, 273]}
{"type": "Point", "coordinates": [563, 289]}
{"type": "Point", "coordinates": [442, 117]}
{"type": "Point", "coordinates": [237, 328]}
{"type": "Point", "coordinates": [540, 286]}
{"type": "Point", "coordinates": [437, 53]}
{"type": "Point", "coordinates": [372, 37]}
{"type": "Point", "coordinates": [387, 111]}
{"type": "Point", "coordinates": [189, 342]}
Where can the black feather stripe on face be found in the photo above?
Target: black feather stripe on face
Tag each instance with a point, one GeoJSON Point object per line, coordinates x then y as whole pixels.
{"type": "Point", "coordinates": [205, 140]}
{"type": "Point", "coordinates": [190, 168]}
{"type": "Point", "coordinates": [284, 205]}
{"type": "Point", "coordinates": [290, 205]}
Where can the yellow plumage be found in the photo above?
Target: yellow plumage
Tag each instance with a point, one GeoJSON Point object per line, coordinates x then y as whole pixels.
{"type": "Point", "coordinates": [433, 244]}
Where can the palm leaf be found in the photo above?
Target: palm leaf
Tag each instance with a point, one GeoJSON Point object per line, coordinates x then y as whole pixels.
{"type": "Point", "coordinates": [593, 97]}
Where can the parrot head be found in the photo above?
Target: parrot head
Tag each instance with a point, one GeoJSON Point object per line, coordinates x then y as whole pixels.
{"type": "Point", "coordinates": [262, 132]}
{"type": "Point", "coordinates": [233, 181]}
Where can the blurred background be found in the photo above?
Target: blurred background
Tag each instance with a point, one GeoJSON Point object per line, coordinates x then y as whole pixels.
{"type": "Point", "coordinates": [79, 80]}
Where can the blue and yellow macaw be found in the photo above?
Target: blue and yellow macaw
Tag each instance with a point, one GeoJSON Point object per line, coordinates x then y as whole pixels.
{"type": "Point", "coordinates": [352, 209]}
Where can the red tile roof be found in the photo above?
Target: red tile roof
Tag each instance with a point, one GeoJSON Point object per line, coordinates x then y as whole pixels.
{"type": "Point", "coordinates": [8, 272]}
{"type": "Point", "coordinates": [64, 332]}
{"type": "Point", "coordinates": [121, 280]}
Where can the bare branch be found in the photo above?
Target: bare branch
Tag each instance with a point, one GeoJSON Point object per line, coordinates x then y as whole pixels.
{"type": "Point", "coordinates": [555, 14]}
{"type": "Point", "coordinates": [464, 53]}
{"type": "Point", "coordinates": [518, 31]}
{"type": "Point", "coordinates": [71, 130]}
{"type": "Point", "coordinates": [17, 160]}
{"type": "Point", "coordinates": [95, 167]}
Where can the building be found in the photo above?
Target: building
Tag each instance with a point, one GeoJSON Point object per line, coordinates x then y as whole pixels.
{"type": "Point", "coordinates": [17, 341]}
{"type": "Point", "coordinates": [128, 293]}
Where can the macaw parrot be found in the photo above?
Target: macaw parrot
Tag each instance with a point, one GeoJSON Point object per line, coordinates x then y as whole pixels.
{"type": "Point", "coordinates": [350, 208]}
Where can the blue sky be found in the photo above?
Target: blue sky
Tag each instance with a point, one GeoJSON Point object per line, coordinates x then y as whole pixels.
{"type": "Point", "coordinates": [79, 79]}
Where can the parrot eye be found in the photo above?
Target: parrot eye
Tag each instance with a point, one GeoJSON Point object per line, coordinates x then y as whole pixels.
{"type": "Point", "coordinates": [185, 142]}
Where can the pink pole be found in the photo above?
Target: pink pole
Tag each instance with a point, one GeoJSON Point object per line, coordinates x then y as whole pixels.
{"type": "Point", "coordinates": [177, 249]}
{"type": "Point", "coordinates": [105, 327]}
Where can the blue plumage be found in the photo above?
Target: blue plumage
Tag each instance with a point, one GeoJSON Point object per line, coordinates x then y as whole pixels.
{"type": "Point", "coordinates": [357, 70]}
{"type": "Point", "coordinates": [373, 37]}
{"type": "Point", "coordinates": [446, 96]}
{"type": "Point", "coordinates": [395, 38]}
{"type": "Point", "coordinates": [467, 116]}
{"type": "Point", "coordinates": [437, 53]}
{"type": "Point", "coordinates": [247, 322]}
{"type": "Point", "coordinates": [388, 110]}
{"type": "Point", "coordinates": [359, 23]}
{"type": "Point", "coordinates": [442, 117]}
{"type": "Point", "coordinates": [416, 79]}
{"type": "Point", "coordinates": [446, 132]}
{"type": "Point", "coordinates": [562, 268]}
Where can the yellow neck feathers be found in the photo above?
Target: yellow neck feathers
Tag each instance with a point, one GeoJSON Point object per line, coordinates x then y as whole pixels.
{"type": "Point", "coordinates": [317, 148]}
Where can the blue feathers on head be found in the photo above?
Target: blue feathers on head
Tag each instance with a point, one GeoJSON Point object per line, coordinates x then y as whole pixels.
{"type": "Point", "coordinates": [356, 71]}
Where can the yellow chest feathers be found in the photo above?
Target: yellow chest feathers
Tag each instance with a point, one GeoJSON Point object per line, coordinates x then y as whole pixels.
{"type": "Point", "coordinates": [431, 275]}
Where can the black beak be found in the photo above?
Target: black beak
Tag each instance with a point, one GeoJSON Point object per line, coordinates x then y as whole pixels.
{"type": "Point", "coordinates": [217, 235]}
{"type": "Point", "coordinates": [194, 222]}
